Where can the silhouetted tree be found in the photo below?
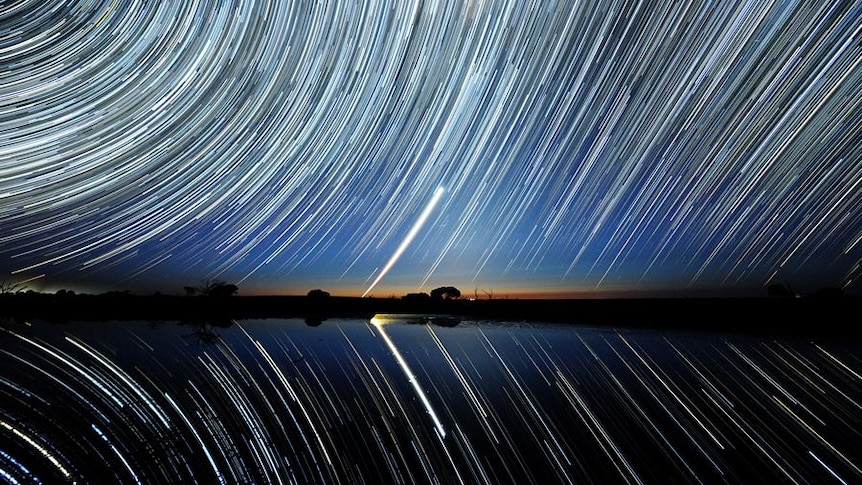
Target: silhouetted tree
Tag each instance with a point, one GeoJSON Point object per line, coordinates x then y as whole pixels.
{"type": "Point", "coordinates": [314, 321]}
{"type": "Point", "coordinates": [217, 288]}
{"type": "Point", "coordinates": [204, 333]}
{"type": "Point", "coordinates": [318, 293]}
{"type": "Point", "coordinates": [190, 290]}
{"type": "Point", "coordinates": [7, 288]}
{"type": "Point", "coordinates": [446, 321]}
{"type": "Point", "coordinates": [445, 293]}
{"type": "Point", "coordinates": [224, 290]}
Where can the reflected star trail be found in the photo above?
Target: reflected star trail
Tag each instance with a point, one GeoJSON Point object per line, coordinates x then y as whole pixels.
{"type": "Point", "coordinates": [276, 401]}
{"type": "Point", "coordinates": [280, 145]}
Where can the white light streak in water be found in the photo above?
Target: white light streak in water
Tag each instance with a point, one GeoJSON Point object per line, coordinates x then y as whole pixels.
{"type": "Point", "coordinates": [411, 377]}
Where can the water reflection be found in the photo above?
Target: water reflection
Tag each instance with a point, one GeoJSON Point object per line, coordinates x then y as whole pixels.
{"type": "Point", "coordinates": [335, 401]}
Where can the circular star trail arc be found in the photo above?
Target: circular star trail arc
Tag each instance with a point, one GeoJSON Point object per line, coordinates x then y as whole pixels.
{"type": "Point", "coordinates": [583, 145]}
{"type": "Point", "coordinates": [393, 400]}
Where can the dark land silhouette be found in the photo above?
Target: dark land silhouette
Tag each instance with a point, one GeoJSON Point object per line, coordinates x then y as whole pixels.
{"type": "Point", "coordinates": [819, 314]}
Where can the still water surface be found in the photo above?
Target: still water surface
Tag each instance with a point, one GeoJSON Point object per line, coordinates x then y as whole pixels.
{"type": "Point", "coordinates": [394, 400]}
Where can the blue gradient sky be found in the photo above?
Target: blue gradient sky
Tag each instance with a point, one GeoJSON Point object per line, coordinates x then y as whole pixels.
{"type": "Point", "coordinates": [587, 148]}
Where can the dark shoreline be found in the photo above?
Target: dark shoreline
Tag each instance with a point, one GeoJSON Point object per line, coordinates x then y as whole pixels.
{"type": "Point", "coordinates": [766, 316]}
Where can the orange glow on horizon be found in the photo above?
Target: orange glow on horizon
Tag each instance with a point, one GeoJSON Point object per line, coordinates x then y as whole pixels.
{"type": "Point", "coordinates": [480, 294]}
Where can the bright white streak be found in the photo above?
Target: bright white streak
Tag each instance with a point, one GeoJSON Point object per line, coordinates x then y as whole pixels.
{"type": "Point", "coordinates": [409, 238]}
{"type": "Point", "coordinates": [411, 377]}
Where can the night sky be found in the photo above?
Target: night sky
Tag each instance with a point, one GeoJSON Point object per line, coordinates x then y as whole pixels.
{"type": "Point", "coordinates": [508, 148]}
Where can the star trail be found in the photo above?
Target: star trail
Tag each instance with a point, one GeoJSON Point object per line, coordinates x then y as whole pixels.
{"type": "Point", "coordinates": [283, 145]}
{"type": "Point", "coordinates": [276, 401]}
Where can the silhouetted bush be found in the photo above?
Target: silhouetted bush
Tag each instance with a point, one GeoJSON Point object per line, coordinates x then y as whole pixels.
{"type": "Point", "coordinates": [314, 321]}
{"type": "Point", "coordinates": [318, 293]}
{"type": "Point", "coordinates": [445, 293]}
{"type": "Point", "coordinates": [215, 288]}
{"type": "Point", "coordinates": [416, 297]}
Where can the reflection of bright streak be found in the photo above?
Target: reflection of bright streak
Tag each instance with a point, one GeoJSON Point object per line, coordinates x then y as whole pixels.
{"type": "Point", "coordinates": [407, 239]}
{"type": "Point", "coordinates": [411, 378]}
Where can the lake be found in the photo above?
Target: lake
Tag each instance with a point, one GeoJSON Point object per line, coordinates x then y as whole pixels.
{"type": "Point", "coordinates": [401, 399]}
